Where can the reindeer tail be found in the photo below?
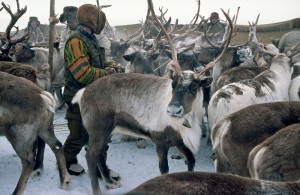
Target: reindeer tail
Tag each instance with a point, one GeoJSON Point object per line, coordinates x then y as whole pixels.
{"type": "Point", "coordinates": [78, 96]}
{"type": "Point", "coordinates": [49, 99]}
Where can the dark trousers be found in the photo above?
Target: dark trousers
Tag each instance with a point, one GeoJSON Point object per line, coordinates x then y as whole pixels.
{"type": "Point", "coordinates": [78, 136]}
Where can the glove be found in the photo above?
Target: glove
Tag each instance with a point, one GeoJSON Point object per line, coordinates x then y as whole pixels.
{"type": "Point", "coordinates": [113, 64]}
{"type": "Point", "coordinates": [120, 69]}
{"type": "Point", "coordinates": [109, 70]}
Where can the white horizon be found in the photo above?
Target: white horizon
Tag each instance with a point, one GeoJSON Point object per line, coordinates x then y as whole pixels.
{"type": "Point", "coordinates": [134, 11]}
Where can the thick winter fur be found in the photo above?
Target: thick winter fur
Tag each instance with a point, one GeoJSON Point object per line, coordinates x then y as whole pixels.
{"type": "Point", "coordinates": [237, 134]}
{"type": "Point", "coordinates": [145, 106]}
{"type": "Point", "coordinates": [212, 184]}
{"type": "Point", "coordinates": [269, 86]}
{"type": "Point", "coordinates": [278, 157]}
{"type": "Point", "coordinates": [40, 75]}
{"type": "Point", "coordinates": [26, 114]}
{"type": "Point", "coordinates": [237, 74]}
{"type": "Point", "coordinates": [20, 70]}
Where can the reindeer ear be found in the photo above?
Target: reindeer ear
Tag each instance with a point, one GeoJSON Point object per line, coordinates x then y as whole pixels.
{"type": "Point", "coordinates": [129, 57]}
{"type": "Point", "coordinates": [206, 81]}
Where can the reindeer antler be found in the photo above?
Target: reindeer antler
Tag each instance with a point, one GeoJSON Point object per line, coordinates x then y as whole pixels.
{"type": "Point", "coordinates": [14, 18]}
{"type": "Point", "coordinates": [175, 63]}
{"type": "Point", "coordinates": [191, 25]}
{"type": "Point", "coordinates": [163, 14]}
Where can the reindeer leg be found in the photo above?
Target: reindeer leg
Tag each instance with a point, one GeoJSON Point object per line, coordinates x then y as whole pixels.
{"type": "Point", "coordinates": [190, 159]}
{"type": "Point", "coordinates": [110, 182]}
{"type": "Point", "coordinates": [38, 164]}
{"type": "Point", "coordinates": [221, 165]}
{"type": "Point", "coordinates": [162, 153]}
{"type": "Point", "coordinates": [56, 146]}
{"type": "Point", "coordinates": [26, 154]}
{"type": "Point", "coordinates": [27, 165]}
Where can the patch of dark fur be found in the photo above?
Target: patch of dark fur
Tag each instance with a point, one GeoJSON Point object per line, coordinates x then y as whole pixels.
{"type": "Point", "coordinates": [227, 95]}
{"type": "Point", "coordinates": [261, 81]}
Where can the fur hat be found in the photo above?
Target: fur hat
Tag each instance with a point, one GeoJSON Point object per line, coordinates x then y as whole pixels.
{"type": "Point", "coordinates": [295, 23]}
{"type": "Point", "coordinates": [33, 18]}
{"type": "Point", "coordinates": [69, 12]}
{"type": "Point", "coordinates": [214, 15]}
{"type": "Point", "coordinates": [89, 15]}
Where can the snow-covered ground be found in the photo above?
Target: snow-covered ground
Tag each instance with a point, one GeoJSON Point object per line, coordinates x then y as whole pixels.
{"type": "Point", "coordinates": [134, 166]}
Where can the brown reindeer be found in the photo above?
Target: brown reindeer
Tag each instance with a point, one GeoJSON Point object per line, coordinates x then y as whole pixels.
{"type": "Point", "coordinates": [27, 114]}
{"type": "Point", "coordinates": [237, 134]}
{"type": "Point", "coordinates": [278, 157]}
{"type": "Point", "coordinates": [212, 184]}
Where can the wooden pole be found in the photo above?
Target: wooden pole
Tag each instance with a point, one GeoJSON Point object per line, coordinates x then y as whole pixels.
{"type": "Point", "coordinates": [52, 20]}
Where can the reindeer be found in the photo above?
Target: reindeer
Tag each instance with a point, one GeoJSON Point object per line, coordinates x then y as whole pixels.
{"type": "Point", "coordinates": [212, 183]}
{"type": "Point", "coordinates": [16, 51]}
{"type": "Point", "coordinates": [166, 111]}
{"type": "Point", "coordinates": [7, 42]}
{"type": "Point", "coordinates": [35, 56]}
{"type": "Point", "coordinates": [25, 119]}
{"type": "Point", "coordinates": [294, 90]}
{"type": "Point", "coordinates": [270, 85]}
{"type": "Point", "coordinates": [235, 135]}
{"type": "Point", "coordinates": [277, 158]}
{"type": "Point", "coordinates": [243, 72]}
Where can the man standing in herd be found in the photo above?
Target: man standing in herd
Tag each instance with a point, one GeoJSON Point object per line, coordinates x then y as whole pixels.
{"type": "Point", "coordinates": [84, 63]}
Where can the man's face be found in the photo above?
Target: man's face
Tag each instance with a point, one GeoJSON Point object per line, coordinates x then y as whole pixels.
{"type": "Point", "coordinates": [213, 20]}
{"type": "Point", "coordinates": [71, 21]}
{"type": "Point", "coordinates": [33, 24]}
{"type": "Point", "coordinates": [72, 24]}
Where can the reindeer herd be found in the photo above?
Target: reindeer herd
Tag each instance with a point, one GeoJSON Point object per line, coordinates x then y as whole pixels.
{"type": "Point", "coordinates": [171, 84]}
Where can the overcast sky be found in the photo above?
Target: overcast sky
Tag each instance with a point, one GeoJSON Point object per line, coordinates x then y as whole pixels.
{"type": "Point", "coordinates": [132, 11]}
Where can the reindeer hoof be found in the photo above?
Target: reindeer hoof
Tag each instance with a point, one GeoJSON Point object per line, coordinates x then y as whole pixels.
{"type": "Point", "coordinates": [115, 184]}
{"type": "Point", "coordinates": [37, 172]}
{"type": "Point", "coordinates": [65, 183]}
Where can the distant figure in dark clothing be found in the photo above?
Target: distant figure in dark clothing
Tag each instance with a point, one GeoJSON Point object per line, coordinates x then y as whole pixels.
{"type": "Point", "coordinates": [33, 28]}
{"type": "Point", "coordinates": [152, 29]}
{"type": "Point", "coordinates": [215, 29]}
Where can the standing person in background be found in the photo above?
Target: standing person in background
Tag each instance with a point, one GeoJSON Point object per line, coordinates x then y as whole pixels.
{"type": "Point", "coordinates": [69, 17]}
{"type": "Point", "coordinates": [289, 39]}
{"type": "Point", "coordinates": [84, 63]}
{"type": "Point", "coordinates": [33, 28]}
{"type": "Point", "coordinates": [215, 29]}
{"type": "Point", "coordinates": [152, 28]}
